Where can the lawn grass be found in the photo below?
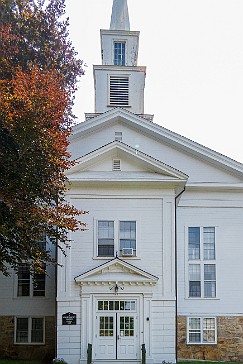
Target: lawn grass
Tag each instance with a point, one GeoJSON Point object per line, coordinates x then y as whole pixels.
{"type": "Point", "coordinates": [204, 362]}
{"type": "Point", "coordinates": [10, 361]}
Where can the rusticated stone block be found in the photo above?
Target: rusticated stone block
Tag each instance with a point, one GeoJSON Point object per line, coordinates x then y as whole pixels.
{"type": "Point", "coordinates": [229, 345]}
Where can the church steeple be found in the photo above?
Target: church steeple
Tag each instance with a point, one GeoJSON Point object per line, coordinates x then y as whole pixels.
{"type": "Point", "coordinates": [119, 82]}
{"type": "Point", "coordinates": [120, 16]}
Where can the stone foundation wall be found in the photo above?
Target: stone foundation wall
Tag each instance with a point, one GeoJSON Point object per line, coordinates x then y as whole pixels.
{"type": "Point", "coordinates": [229, 344]}
{"type": "Point", "coordinates": [8, 350]}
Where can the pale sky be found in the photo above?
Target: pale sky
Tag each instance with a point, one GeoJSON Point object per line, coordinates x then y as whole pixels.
{"type": "Point", "coordinates": [193, 50]}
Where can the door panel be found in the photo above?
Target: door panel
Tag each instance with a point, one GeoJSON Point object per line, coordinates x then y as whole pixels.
{"type": "Point", "coordinates": [106, 335]}
{"type": "Point", "coordinates": [127, 336]}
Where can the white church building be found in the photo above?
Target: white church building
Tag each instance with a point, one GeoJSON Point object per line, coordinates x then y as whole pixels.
{"type": "Point", "coordinates": [159, 267]}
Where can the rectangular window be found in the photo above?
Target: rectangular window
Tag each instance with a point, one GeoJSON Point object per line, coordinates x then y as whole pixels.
{"type": "Point", "coordinates": [116, 305]}
{"type": "Point", "coordinates": [128, 238]}
{"type": "Point", "coordinates": [23, 280]}
{"type": "Point", "coordinates": [201, 330]}
{"type": "Point", "coordinates": [39, 283]}
{"type": "Point", "coordinates": [119, 53]}
{"type": "Point", "coordinates": [201, 266]}
{"type": "Point", "coordinates": [105, 238]}
{"type": "Point", "coordinates": [29, 330]}
{"type": "Point", "coordinates": [119, 91]}
{"type": "Point", "coordinates": [42, 241]}
{"type": "Point", "coordinates": [30, 285]}
{"type": "Point", "coordinates": [116, 238]}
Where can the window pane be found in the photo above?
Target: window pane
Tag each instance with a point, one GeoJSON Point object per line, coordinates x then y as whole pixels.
{"type": "Point", "coordinates": [194, 243]}
{"type": "Point", "coordinates": [22, 330]}
{"type": "Point", "coordinates": [39, 283]}
{"type": "Point", "coordinates": [208, 336]}
{"type": "Point", "coordinates": [23, 280]}
{"type": "Point", "coordinates": [209, 324]}
{"type": "Point", "coordinates": [105, 238]}
{"type": "Point", "coordinates": [194, 289]}
{"type": "Point", "coordinates": [194, 272]}
{"type": "Point", "coordinates": [37, 330]}
{"type": "Point", "coordinates": [128, 235]}
{"type": "Point", "coordinates": [194, 337]}
{"type": "Point", "coordinates": [42, 241]}
{"type": "Point", "coordinates": [209, 243]}
{"type": "Point", "coordinates": [209, 272]}
{"type": "Point", "coordinates": [194, 324]}
{"type": "Point", "coordinates": [210, 289]}
{"type": "Point", "coordinates": [106, 229]}
{"type": "Point", "coordinates": [119, 53]}
{"type": "Point", "coordinates": [209, 280]}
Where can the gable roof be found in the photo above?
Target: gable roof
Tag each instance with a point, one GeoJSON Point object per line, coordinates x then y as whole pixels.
{"type": "Point", "coordinates": [116, 270]}
{"type": "Point", "coordinates": [160, 133]}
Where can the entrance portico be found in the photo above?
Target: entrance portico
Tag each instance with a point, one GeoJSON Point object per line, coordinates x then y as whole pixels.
{"type": "Point", "coordinates": [115, 311]}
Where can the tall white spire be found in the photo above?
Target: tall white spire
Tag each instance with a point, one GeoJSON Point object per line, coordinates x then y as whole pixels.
{"type": "Point", "coordinates": [120, 16]}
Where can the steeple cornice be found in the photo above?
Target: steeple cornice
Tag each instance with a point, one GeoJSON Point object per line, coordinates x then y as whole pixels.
{"type": "Point", "coordinates": [120, 16]}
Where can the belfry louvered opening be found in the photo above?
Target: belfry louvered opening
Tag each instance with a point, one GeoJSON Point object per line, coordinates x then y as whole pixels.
{"type": "Point", "coordinates": [119, 90]}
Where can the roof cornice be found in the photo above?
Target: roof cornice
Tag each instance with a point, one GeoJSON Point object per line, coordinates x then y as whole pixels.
{"type": "Point", "coordinates": [160, 133]}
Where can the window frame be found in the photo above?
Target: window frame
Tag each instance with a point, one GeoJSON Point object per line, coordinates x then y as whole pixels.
{"type": "Point", "coordinates": [128, 239]}
{"type": "Point", "coordinates": [202, 330]}
{"type": "Point", "coordinates": [31, 285]}
{"type": "Point", "coordinates": [117, 251]}
{"type": "Point", "coordinates": [122, 55]}
{"type": "Point", "coordinates": [30, 320]}
{"type": "Point", "coordinates": [201, 261]}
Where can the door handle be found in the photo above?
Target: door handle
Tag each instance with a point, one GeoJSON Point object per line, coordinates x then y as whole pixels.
{"type": "Point", "coordinates": [118, 337]}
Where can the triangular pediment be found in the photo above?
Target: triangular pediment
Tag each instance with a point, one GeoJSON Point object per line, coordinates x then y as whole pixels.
{"type": "Point", "coordinates": [116, 271]}
{"type": "Point", "coordinates": [157, 132]}
{"type": "Point", "coordinates": [134, 166]}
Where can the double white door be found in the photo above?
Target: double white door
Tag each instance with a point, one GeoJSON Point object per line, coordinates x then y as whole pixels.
{"type": "Point", "coordinates": [117, 336]}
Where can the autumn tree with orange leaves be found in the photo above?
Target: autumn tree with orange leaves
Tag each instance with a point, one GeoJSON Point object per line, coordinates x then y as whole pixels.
{"type": "Point", "coordinates": [38, 75]}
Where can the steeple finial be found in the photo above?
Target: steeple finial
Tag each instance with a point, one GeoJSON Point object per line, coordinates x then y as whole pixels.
{"type": "Point", "coordinates": [120, 16]}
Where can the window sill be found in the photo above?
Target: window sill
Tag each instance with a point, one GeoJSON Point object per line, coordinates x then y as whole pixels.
{"type": "Point", "coordinates": [31, 297]}
{"type": "Point", "coordinates": [202, 298]}
{"type": "Point", "coordinates": [202, 343]}
{"type": "Point", "coordinates": [122, 258]}
{"type": "Point", "coordinates": [30, 344]}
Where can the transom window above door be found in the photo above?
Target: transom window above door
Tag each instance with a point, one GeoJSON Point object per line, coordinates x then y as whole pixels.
{"type": "Point", "coordinates": [116, 305]}
{"type": "Point", "coordinates": [116, 238]}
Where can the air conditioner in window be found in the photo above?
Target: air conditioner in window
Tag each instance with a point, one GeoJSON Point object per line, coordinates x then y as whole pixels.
{"type": "Point", "coordinates": [127, 252]}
